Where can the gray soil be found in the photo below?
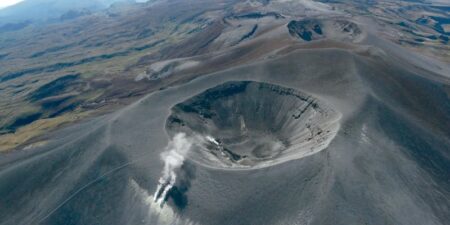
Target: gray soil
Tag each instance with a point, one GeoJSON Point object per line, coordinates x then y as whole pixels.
{"type": "Point", "coordinates": [388, 163]}
{"type": "Point", "coordinates": [345, 134]}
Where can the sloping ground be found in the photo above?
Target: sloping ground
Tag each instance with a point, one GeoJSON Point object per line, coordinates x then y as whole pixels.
{"type": "Point", "coordinates": [102, 50]}
{"type": "Point", "coordinates": [129, 50]}
{"type": "Point", "coordinates": [386, 165]}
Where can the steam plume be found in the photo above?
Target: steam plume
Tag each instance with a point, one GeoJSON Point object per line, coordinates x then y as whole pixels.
{"type": "Point", "coordinates": [173, 157]}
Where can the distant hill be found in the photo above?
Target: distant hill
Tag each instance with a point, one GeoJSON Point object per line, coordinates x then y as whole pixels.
{"type": "Point", "coordinates": [43, 11]}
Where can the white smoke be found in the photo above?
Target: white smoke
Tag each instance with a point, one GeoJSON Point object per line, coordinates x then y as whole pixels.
{"type": "Point", "coordinates": [212, 140]}
{"type": "Point", "coordinates": [157, 214]}
{"type": "Point", "coordinates": [173, 157]}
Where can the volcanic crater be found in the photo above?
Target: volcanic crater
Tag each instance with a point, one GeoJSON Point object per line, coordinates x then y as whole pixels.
{"type": "Point", "coordinates": [248, 124]}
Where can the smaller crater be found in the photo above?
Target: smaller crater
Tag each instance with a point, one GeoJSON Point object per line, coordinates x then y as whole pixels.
{"type": "Point", "coordinates": [317, 29]}
{"type": "Point", "coordinates": [307, 30]}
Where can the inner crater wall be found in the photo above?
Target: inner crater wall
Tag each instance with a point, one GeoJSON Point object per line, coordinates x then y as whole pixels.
{"type": "Point", "coordinates": [247, 124]}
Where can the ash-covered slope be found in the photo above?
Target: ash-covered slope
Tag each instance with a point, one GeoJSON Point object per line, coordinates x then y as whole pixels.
{"type": "Point", "coordinates": [386, 165]}
{"type": "Point", "coordinates": [231, 144]}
